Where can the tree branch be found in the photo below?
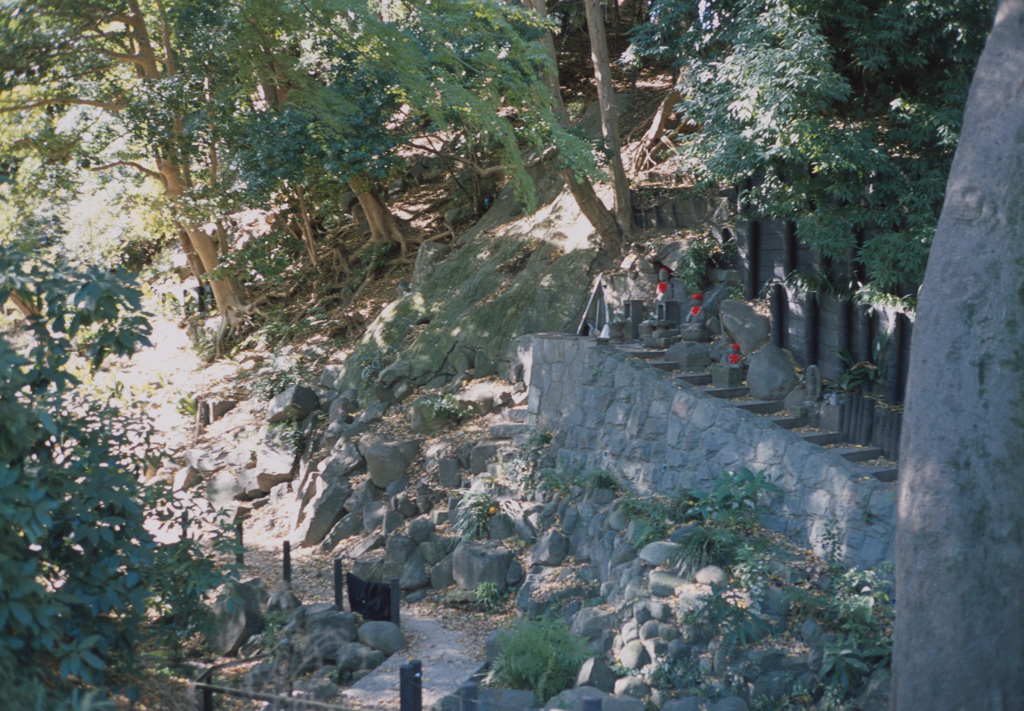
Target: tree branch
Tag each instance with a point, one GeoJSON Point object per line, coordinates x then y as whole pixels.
{"type": "Point", "coordinates": [131, 164]}
{"type": "Point", "coordinates": [63, 101]}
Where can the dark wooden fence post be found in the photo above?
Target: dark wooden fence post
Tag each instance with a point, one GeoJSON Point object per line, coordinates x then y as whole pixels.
{"type": "Point", "coordinates": [396, 599]}
{"type": "Point", "coordinates": [777, 304]}
{"type": "Point", "coordinates": [207, 699]}
{"type": "Point", "coordinates": [339, 584]}
{"type": "Point", "coordinates": [287, 564]}
{"type": "Point", "coordinates": [239, 545]}
{"type": "Point", "coordinates": [410, 679]}
{"type": "Point", "coordinates": [813, 328]}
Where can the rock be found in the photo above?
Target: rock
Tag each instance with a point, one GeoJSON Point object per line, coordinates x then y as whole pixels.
{"type": "Point", "coordinates": [500, 526]}
{"type": "Point", "coordinates": [293, 404]}
{"type": "Point", "coordinates": [634, 655]}
{"type": "Point", "coordinates": [744, 325]}
{"type": "Point", "coordinates": [315, 689]}
{"type": "Point", "coordinates": [661, 553]}
{"type": "Point", "coordinates": [550, 549]}
{"type": "Point", "coordinates": [572, 700]}
{"type": "Point", "coordinates": [344, 461]}
{"type": "Point", "coordinates": [356, 657]}
{"type": "Point", "coordinates": [383, 636]}
{"type": "Point", "coordinates": [420, 529]}
{"type": "Point", "coordinates": [223, 488]}
{"type": "Point", "coordinates": [185, 478]}
{"type": "Point", "coordinates": [686, 703]}
{"type": "Point", "coordinates": [649, 630]}
{"type": "Point", "coordinates": [476, 562]}
{"type": "Point", "coordinates": [596, 673]}
{"type": "Point", "coordinates": [664, 584]}
{"type": "Point", "coordinates": [770, 374]}
{"type": "Point", "coordinates": [363, 494]}
{"type": "Point", "coordinates": [631, 686]}
{"type": "Point", "coordinates": [388, 461]}
{"type": "Point", "coordinates": [730, 703]}
{"type": "Point", "coordinates": [592, 622]}
{"type": "Point", "coordinates": [874, 695]}
{"type": "Point", "coordinates": [711, 575]}
{"type": "Point", "coordinates": [236, 616]}
{"type": "Point", "coordinates": [484, 397]}
{"type": "Point", "coordinates": [414, 572]}
{"type": "Point", "coordinates": [689, 355]}
{"type": "Point", "coordinates": [441, 574]}
{"type": "Point", "coordinates": [373, 516]}
{"type": "Point", "coordinates": [349, 525]}
{"type": "Point", "coordinates": [427, 257]}
{"type": "Point", "coordinates": [283, 600]}
{"type": "Point", "coordinates": [506, 699]}
{"type": "Point", "coordinates": [323, 511]}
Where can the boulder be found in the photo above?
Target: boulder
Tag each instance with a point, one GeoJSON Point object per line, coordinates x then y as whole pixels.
{"type": "Point", "coordinates": [550, 549]}
{"type": "Point", "coordinates": [356, 657]}
{"type": "Point", "coordinates": [663, 583]}
{"type": "Point", "coordinates": [223, 488]}
{"type": "Point", "coordinates": [388, 461]}
{"type": "Point", "coordinates": [745, 326]}
{"type": "Point", "coordinates": [236, 616]}
{"type": "Point", "coordinates": [634, 655]}
{"type": "Point", "coordinates": [427, 257]}
{"type": "Point", "coordinates": [770, 374]}
{"type": "Point", "coordinates": [383, 636]}
{"type": "Point", "coordinates": [344, 461]}
{"type": "Point", "coordinates": [323, 511]}
{"type": "Point", "coordinates": [711, 575]}
{"type": "Point", "coordinates": [632, 686]}
{"type": "Point", "coordinates": [596, 673]}
{"type": "Point", "coordinates": [476, 562]}
{"type": "Point", "coordinates": [572, 700]}
{"type": "Point", "coordinates": [293, 404]}
{"type": "Point", "coordinates": [661, 553]}
{"type": "Point", "coordinates": [349, 525]}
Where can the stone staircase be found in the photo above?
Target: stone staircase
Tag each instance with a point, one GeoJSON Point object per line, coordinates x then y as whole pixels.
{"type": "Point", "coordinates": [869, 459]}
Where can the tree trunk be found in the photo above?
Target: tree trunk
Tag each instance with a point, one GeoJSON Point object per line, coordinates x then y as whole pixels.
{"type": "Point", "coordinates": [609, 114]}
{"type": "Point", "coordinates": [26, 307]}
{"type": "Point", "coordinates": [960, 543]}
{"type": "Point", "coordinates": [384, 227]}
{"type": "Point", "coordinates": [643, 157]}
{"type": "Point", "coordinates": [602, 219]}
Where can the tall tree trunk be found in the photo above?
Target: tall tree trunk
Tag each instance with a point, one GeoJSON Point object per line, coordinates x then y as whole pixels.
{"type": "Point", "coordinates": [384, 227]}
{"type": "Point", "coordinates": [602, 219]}
{"type": "Point", "coordinates": [26, 307]}
{"type": "Point", "coordinates": [960, 543]}
{"type": "Point", "coordinates": [609, 114]}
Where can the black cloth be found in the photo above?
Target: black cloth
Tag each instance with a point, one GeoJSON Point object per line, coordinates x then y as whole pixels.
{"type": "Point", "coordinates": [371, 600]}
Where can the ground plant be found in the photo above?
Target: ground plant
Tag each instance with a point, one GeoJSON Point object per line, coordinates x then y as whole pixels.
{"type": "Point", "coordinates": [541, 655]}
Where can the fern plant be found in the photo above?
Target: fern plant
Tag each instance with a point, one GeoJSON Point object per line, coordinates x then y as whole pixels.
{"type": "Point", "coordinates": [541, 655]}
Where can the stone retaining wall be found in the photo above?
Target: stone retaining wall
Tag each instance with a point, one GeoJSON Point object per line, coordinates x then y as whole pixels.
{"type": "Point", "coordinates": [608, 410]}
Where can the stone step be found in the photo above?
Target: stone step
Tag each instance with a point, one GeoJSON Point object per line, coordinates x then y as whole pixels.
{"type": "Point", "coordinates": [650, 354]}
{"type": "Point", "coordinates": [886, 474]}
{"type": "Point", "coordinates": [726, 393]}
{"type": "Point", "coordinates": [858, 454]}
{"type": "Point", "coordinates": [508, 430]}
{"type": "Point", "coordinates": [695, 378]}
{"type": "Point", "coordinates": [669, 365]}
{"type": "Point", "coordinates": [516, 414]}
{"type": "Point", "coordinates": [788, 422]}
{"type": "Point", "coordinates": [761, 407]}
{"type": "Point", "coordinates": [822, 438]}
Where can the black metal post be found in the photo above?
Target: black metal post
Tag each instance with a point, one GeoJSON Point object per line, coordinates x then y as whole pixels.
{"type": "Point", "coordinates": [240, 549]}
{"type": "Point", "coordinates": [410, 685]}
{"type": "Point", "coordinates": [813, 329]}
{"type": "Point", "coordinates": [207, 699]}
{"type": "Point", "coordinates": [469, 695]}
{"type": "Point", "coordinates": [396, 599]}
{"type": "Point", "coordinates": [777, 305]}
{"type": "Point", "coordinates": [287, 564]}
{"type": "Point", "coordinates": [339, 584]}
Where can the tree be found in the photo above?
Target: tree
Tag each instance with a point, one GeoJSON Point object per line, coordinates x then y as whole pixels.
{"type": "Point", "coordinates": [116, 61]}
{"type": "Point", "coordinates": [841, 115]}
{"type": "Point", "coordinates": [959, 639]}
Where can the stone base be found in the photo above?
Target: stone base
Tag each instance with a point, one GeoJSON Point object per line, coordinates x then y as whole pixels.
{"type": "Point", "coordinates": [726, 376]}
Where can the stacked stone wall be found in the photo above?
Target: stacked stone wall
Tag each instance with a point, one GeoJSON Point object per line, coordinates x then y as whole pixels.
{"type": "Point", "coordinates": [610, 410]}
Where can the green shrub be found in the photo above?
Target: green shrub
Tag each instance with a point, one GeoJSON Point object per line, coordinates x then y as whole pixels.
{"type": "Point", "coordinates": [707, 545]}
{"type": "Point", "coordinates": [541, 655]}
{"type": "Point", "coordinates": [471, 516]}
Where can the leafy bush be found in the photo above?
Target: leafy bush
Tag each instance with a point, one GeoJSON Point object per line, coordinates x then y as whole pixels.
{"type": "Point", "coordinates": [471, 516]}
{"type": "Point", "coordinates": [541, 655]}
{"type": "Point", "coordinates": [707, 545]}
{"type": "Point", "coordinates": [78, 563]}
